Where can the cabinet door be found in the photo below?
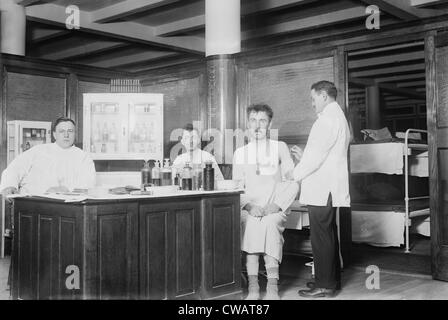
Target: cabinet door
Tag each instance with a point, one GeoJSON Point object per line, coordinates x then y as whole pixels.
{"type": "Point", "coordinates": [111, 249]}
{"type": "Point", "coordinates": [170, 250]}
{"type": "Point", "coordinates": [50, 241]}
{"type": "Point", "coordinates": [221, 247]}
{"type": "Point", "coordinates": [123, 126]}
{"type": "Point", "coordinates": [104, 119]}
{"type": "Point", "coordinates": [145, 134]}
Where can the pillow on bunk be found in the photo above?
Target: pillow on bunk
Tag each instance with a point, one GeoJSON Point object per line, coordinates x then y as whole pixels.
{"type": "Point", "coordinates": [376, 135]}
{"type": "Point", "coordinates": [383, 191]}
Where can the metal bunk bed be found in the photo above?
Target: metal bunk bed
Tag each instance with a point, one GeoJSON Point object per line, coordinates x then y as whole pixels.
{"type": "Point", "coordinates": [409, 147]}
{"type": "Point", "coordinates": [413, 206]}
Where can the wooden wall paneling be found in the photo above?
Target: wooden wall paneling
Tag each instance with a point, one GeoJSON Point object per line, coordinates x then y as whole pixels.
{"type": "Point", "coordinates": [30, 96]}
{"type": "Point", "coordinates": [285, 86]}
{"type": "Point", "coordinates": [181, 105]}
{"type": "Point", "coordinates": [30, 65]}
{"type": "Point", "coordinates": [431, 110]}
{"type": "Point", "coordinates": [3, 127]}
{"type": "Point", "coordinates": [72, 100]}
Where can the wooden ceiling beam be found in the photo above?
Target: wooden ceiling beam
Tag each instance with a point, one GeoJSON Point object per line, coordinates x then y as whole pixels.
{"type": "Point", "coordinates": [83, 50]}
{"type": "Point", "coordinates": [130, 31]}
{"type": "Point", "coordinates": [258, 7]}
{"type": "Point", "coordinates": [391, 70]}
{"type": "Point", "coordinates": [180, 26]}
{"type": "Point", "coordinates": [401, 78]}
{"type": "Point", "coordinates": [41, 35]}
{"type": "Point", "coordinates": [27, 3]}
{"type": "Point", "coordinates": [255, 7]}
{"type": "Point", "coordinates": [163, 63]}
{"type": "Point", "coordinates": [306, 23]}
{"type": "Point", "coordinates": [116, 62]}
{"type": "Point", "coordinates": [404, 9]}
{"type": "Point", "coordinates": [127, 8]}
{"type": "Point", "coordinates": [393, 58]}
{"type": "Point", "coordinates": [389, 87]}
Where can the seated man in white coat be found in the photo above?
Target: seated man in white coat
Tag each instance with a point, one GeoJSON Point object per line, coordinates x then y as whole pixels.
{"type": "Point", "coordinates": [191, 140]}
{"type": "Point", "coordinates": [261, 165]}
{"type": "Point", "coordinates": [51, 167]}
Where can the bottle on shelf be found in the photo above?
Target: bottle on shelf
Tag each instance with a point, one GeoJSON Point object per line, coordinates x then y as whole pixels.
{"type": "Point", "coordinates": [113, 136]}
{"type": "Point", "coordinates": [187, 181]}
{"type": "Point", "coordinates": [105, 133]}
{"type": "Point", "coordinates": [155, 173]}
{"type": "Point", "coordinates": [97, 133]}
{"type": "Point", "coordinates": [166, 173]}
{"type": "Point", "coordinates": [146, 176]}
{"type": "Point", "coordinates": [209, 176]}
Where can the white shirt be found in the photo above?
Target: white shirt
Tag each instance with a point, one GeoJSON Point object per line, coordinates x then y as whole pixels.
{"type": "Point", "coordinates": [323, 168]}
{"type": "Point", "coordinates": [273, 160]}
{"type": "Point", "coordinates": [199, 157]}
{"type": "Point", "coordinates": [48, 165]}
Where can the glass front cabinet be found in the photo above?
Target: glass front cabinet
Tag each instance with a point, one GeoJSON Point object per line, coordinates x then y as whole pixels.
{"type": "Point", "coordinates": [23, 135]}
{"type": "Point", "coordinates": [123, 126]}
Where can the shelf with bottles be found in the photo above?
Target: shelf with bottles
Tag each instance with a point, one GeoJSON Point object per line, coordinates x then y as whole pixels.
{"type": "Point", "coordinates": [145, 109]}
{"type": "Point", "coordinates": [105, 138]}
{"type": "Point", "coordinates": [102, 108]}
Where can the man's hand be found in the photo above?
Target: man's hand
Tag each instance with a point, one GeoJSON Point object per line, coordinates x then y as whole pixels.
{"type": "Point", "coordinates": [7, 191]}
{"type": "Point", "coordinates": [289, 176]}
{"type": "Point", "coordinates": [271, 208]}
{"type": "Point", "coordinates": [58, 189]}
{"type": "Point", "coordinates": [254, 210]}
{"type": "Point", "coordinates": [297, 153]}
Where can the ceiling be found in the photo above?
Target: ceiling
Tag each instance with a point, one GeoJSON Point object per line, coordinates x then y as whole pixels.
{"type": "Point", "coordinates": [141, 35]}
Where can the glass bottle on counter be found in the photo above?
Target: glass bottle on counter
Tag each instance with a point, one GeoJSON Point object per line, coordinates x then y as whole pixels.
{"type": "Point", "coordinates": [209, 176]}
{"type": "Point", "coordinates": [166, 173]}
{"type": "Point", "coordinates": [146, 176]}
{"type": "Point", "coordinates": [187, 181]}
{"type": "Point", "coordinates": [177, 180]}
{"type": "Point", "coordinates": [197, 176]}
{"type": "Point", "coordinates": [155, 173]}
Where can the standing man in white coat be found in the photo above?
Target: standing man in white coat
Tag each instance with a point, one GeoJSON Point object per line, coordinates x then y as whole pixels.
{"type": "Point", "coordinates": [323, 172]}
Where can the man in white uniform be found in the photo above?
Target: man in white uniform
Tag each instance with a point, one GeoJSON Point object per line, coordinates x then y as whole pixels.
{"type": "Point", "coordinates": [323, 172]}
{"type": "Point", "coordinates": [261, 165]}
{"type": "Point", "coordinates": [194, 155]}
{"type": "Point", "coordinates": [52, 167]}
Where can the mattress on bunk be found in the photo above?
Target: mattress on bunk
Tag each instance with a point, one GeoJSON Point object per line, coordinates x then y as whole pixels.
{"type": "Point", "coordinates": [383, 224]}
{"type": "Point", "coordinates": [387, 158]}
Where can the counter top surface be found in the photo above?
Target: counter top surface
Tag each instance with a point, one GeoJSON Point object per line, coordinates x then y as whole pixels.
{"type": "Point", "coordinates": [83, 199]}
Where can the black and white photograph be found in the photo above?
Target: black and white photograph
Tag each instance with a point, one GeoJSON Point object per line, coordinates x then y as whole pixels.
{"type": "Point", "coordinates": [238, 152]}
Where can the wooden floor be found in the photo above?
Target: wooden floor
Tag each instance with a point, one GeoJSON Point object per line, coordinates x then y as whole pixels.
{"type": "Point", "coordinates": [394, 285]}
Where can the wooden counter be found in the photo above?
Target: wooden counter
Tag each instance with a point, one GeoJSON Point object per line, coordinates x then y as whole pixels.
{"type": "Point", "coordinates": [177, 247]}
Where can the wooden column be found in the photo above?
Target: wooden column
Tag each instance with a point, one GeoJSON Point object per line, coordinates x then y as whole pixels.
{"type": "Point", "coordinates": [221, 99]}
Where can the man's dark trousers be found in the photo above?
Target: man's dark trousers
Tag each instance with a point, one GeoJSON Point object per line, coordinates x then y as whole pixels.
{"type": "Point", "coordinates": [325, 245]}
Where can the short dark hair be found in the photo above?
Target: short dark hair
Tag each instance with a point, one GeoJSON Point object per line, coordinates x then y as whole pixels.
{"type": "Point", "coordinates": [326, 86]}
{"type": "Point", "coordinates": [62, 119]}
{"type": "Point", "coordinates": [261, 107]}
{"type": "Point", "coordinates": [189, 127]}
